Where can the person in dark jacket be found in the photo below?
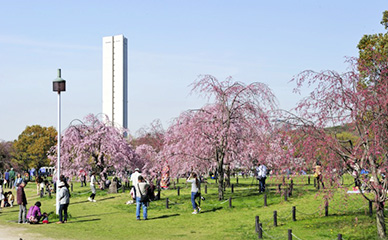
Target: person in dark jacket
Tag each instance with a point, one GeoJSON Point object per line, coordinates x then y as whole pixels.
{"type": "Point", "coordinates": [22, 201]}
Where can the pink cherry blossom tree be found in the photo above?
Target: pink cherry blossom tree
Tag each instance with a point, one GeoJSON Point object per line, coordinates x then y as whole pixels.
{"type": "Point", "coordinates": [223, 133]}
{"type": "Point", "coordinates": [95, 145]}
{"type": "Point", "coordinates": [359, 102]}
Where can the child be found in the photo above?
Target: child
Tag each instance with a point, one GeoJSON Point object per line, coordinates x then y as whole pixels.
{"type": "Point", "coordinates": [41, 187]}
{"type": "Point", "coordinates": [45, 218]}
{"type": "Point", "coordinates": [10, 199]}
{"type": "Point", "coordinates": [34, 215]}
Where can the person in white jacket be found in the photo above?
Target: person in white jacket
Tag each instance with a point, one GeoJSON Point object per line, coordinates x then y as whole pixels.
{"type": "Point", "coordinates": [64, 200]}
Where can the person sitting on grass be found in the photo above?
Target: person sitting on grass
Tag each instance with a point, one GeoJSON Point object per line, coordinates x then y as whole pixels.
{"type": "Point", "coordinates": [10, 199]}
{"type": "Point", "coordinates": [34, 215]}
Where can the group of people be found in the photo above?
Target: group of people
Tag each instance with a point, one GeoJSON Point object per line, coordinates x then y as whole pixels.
{"type": "Point", "coordinates": [142, 192]}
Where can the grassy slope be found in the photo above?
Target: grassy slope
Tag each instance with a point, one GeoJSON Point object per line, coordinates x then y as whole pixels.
{"type": "Point", "coordinates": [110, 218]}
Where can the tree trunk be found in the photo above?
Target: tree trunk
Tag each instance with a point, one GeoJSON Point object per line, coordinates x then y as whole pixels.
{"type": "Point", "coordinates": [220, 171]}
{"type": "Point", "coordinates": [228, 177]}
{"type": "Point", "coordinates": [380, 222]}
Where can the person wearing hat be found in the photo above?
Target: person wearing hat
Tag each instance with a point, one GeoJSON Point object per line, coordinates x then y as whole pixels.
{"type": "Point", "coordinates": [64, 199]}
{"type": "Point", "coordinates": [135, 177]}
{"type": "Point", "coordinates": [22, 201]}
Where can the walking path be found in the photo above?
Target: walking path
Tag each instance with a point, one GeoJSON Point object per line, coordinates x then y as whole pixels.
{"type": "Point", "coordinates": [17, 233]}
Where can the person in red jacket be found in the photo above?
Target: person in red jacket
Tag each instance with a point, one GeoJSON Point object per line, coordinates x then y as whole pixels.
{"type": "Point", "coordinates": [22, 201]}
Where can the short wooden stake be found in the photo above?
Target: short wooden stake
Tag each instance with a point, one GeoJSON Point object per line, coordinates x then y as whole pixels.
{"type": "Point", "coordinates": [260, 233]}
{"type": "Point", "coordinates": [293, 213]}
{"type": "Point", "coordinates": [308, 180]}
{"type": "Point", "coordinates": [205, 188]}
{"type": "Point", "coordinates": [326, 208]}
{"type": "Point", "coordinates": [178, 190]}
{"type": "Point", "coordinates": [232, 188]}
{"type": "Point", "coordinates": [71, 186]}
{"type": "Point", "coordinates": [265, 200]}
{"type": "Point", "coordinates": [370, 209]}
{"type": "Point", "coordinates": [237, 180]}
{"type": "Point", "coordinates": [257, 224]}
{"type": "Point", "coordinates": [289, 234]}
{"type": "Point", "coordinates": [275, 218]}
{"type": "Point", "coordinates": [285, 194]}
{"type": "Point", "coordinates": [167, 203]}
{"type": "Point", "coordinates": [230, 202]}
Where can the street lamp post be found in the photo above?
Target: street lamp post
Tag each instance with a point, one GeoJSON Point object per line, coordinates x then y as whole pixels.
{"type": "Point", "coordinates": [59, 85]}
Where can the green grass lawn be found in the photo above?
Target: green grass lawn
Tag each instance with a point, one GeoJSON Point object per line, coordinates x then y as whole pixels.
{"type": "Point", "coordinates": [110, 218]}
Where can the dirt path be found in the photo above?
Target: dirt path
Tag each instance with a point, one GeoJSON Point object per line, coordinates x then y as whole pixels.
{"type": "Point", "coordinates": [17, 233]}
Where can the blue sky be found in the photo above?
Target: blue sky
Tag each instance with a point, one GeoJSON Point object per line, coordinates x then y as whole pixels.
{"type": "Point", "coordinates": [170, 43]}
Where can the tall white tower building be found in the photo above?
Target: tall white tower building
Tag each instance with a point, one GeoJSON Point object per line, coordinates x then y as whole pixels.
{"type": "Point", "coordinates": [115, 80]}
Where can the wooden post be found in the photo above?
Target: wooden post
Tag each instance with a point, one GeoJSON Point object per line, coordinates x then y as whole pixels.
{"type": "Point", "coordinates": [237, 180]}
{"type": "Point", "coordinates": [326, 208]}
{"type": "Point", "coordinates": [177, 180]}
{"type": "Point", "coordinates": [167, 203]}
{"type": "Point", "coordinates": [232, 188]}
{"type": "Point", "coordinates": [260, 233]}
{"type": "Point", "coordinates": [370, 209]}
{"type": "Point", "coordinates": [178, 190]}
{"type": "Point", "coordinates": [339, 236]}
{"type": "Point", "coordinates": [285, 194]}
{"type": "Point", "coordinates": [71, 186]}
{"type": "Point", "coordinates": [293, 213]}
{"type": "Point", "coordinates": [265, 200]}
{"type": "Point", "coordinates": [308, 180]}
{"type": "Point", "coordinates": [257, 224]}
{"type": "Point", "coordinates": [205, 188]}
{"type": "Point", "coordinates": [230, 202]}
{"type": "Point", "coordinates": [275, 218]}
{"type": "Point", "coordinates": [289, 234]}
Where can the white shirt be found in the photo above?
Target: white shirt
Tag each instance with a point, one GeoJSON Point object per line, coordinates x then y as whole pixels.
{"type": "Point", "coordinates": [92, 180]}
{"type": "Point", "coordinates": [262, 171]}
{"type": "Point", "coordinates": [135, 177]}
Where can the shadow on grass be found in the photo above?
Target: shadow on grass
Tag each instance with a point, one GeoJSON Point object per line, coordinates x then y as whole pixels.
{"type": "Point", "coordinates": [10, 211]}
{"type": "Point", "coordinates": [164, 216]}
{"type": "Point", "coordinates": [94, 215]}
{"type": "Point", "coordinates": [212, 210]}
{"type": "Point", "coordinates": [86, 220]}
{"type": "Point", "coordinates": [99, 200]}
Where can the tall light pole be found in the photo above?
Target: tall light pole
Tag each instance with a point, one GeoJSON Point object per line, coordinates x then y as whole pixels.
{"type": "Point", "coordinates": [59, 85]}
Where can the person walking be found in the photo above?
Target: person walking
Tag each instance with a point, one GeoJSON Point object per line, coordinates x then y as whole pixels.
{"type": "Point", "coordinates": [64, 200]}
{"type": "Point", "coordinates": [22, 201]}
{"type": "Point", "coordinates": [195, 184]}
{"type": "Point", "coordinates": [6, 178]}
{"type": "Point", "coordinates": [92, 186]}
{"type": "Point", "coordinates": [11, 178]}
{"type": "Point", "coordinates": [18, 180]}
{"type": "Point", "coordinates": [141, 189]}
{"type": "Point", "coordinates": [318, 174]}
{"type": "Point", "coordinates": [262, 176]}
